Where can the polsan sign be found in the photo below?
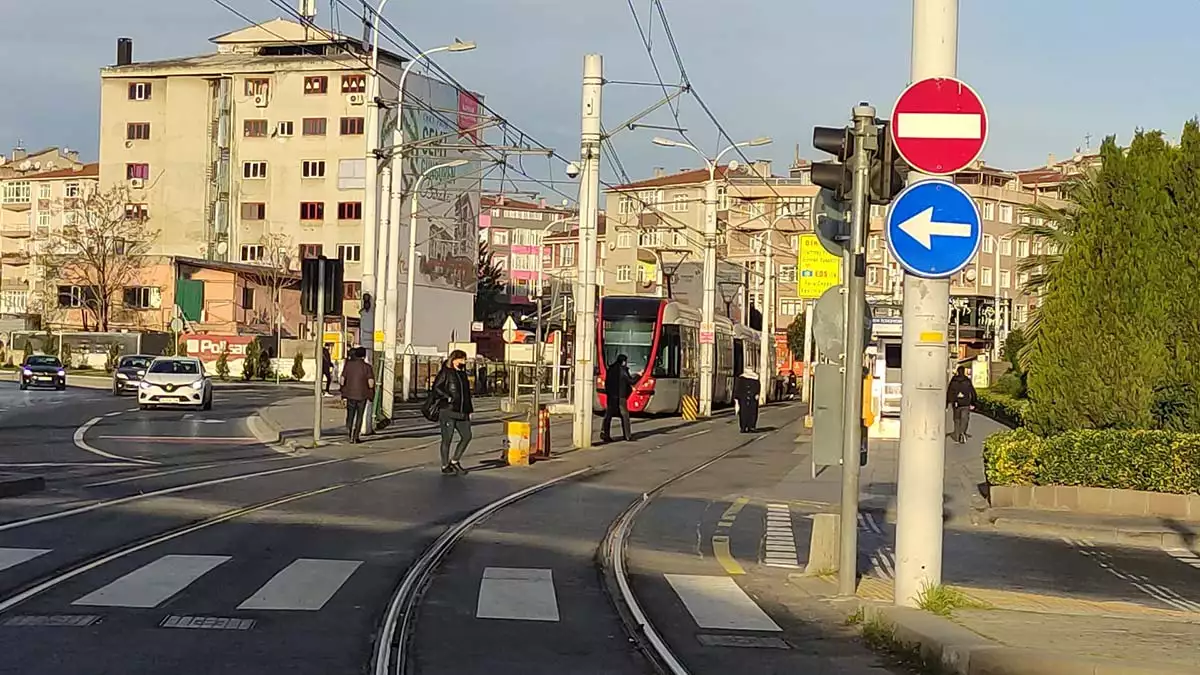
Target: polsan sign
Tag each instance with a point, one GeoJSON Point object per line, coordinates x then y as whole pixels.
{"type": "Point", "coordinates": [209, 347]}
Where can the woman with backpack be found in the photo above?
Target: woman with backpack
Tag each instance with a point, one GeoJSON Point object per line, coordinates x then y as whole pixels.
{"type": "Point", "coordinates": [450, 402]}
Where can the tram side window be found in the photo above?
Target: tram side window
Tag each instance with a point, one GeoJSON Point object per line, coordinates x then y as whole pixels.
{"type": "Point", "coordinates": [690, 338]}
{"type": "Point", "coordinates": [667, 363]}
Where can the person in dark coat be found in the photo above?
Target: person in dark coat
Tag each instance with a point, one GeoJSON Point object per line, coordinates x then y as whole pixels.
{"type": "Point", "coordinates": [961, 395]}
{"type": "Point", "coordinates": [357, 387]}
{"type": "Point", "coordinates": [745, 394]}
{"type": "Point", "coordinates": [618, 385]}
{"type": "Point", "coordinates": [327, 368]}
{"type": "Point", "coordinates": [453, 389]}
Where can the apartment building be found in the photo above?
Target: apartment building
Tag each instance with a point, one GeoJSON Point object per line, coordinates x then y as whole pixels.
{"type": "Point", "coordinates": [515, 232]}
{"type": "Point", "coordinates": [264, 141]}
{"type": "Point", "coordinates": [37, 197]}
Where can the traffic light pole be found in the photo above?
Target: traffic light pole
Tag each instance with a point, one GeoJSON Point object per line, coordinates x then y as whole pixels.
{"type": "Point", "coordinates": [921, 470]}
{"type": "Point", "coordinates": [319, 342]}
{"type": "Point", "coordinates": [589, 205]}
{"type": "Point", "coordinates": [709, 299]}
{"type": "Point", "coordinates": [865, 146]}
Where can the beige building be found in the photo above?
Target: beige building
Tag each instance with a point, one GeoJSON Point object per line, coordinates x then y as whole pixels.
{"type": "Point", "coordinates": [267, 136]}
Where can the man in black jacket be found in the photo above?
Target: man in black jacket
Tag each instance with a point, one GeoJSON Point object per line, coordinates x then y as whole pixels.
{"type": "Point", "coordinates": [453, 389]}
{"type": "Point", "coordinates": [961, 394]}
{"type": "Point", "coordinates": [618, 385]}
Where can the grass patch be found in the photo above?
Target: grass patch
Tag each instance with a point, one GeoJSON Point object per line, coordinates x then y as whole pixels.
{"type": "Point", "coordinates": [944, 600]}
{"type": "Point", "coordinates": [880, 636]}
{"type": "Point", "coordinates": [856, 618]}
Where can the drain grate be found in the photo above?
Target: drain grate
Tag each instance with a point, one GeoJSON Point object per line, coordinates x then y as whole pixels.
{"type": "Point", "coordinates": [207, 622]}
{"type": "Point", "coordinates": [746, 641]}
{"type": "Point", "coordinates": [71, 620]}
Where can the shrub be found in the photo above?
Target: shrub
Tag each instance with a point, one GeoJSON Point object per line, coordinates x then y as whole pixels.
{"type": "Point", "coordinates": [265, 367]}
{"type": "Point", "coordinates": [298, 366]}
{"type": "Point", "coordinates": [1156, 461]}
{"type": "Point", "coordinates": [223, 363]}
{"type": "Point", "coordinates": [250, 364]}
{"type": "Point", "coordinates": [114, 353]}
{"type": "Point", "coordinates": [1009, 384]}
{"type": "Point", "coordinates": [1005, 409]}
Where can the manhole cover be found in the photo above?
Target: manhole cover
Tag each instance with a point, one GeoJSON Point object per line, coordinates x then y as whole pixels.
{"type": "Point", "coordinates": [207, 622]}
{"type": "Point", "coordinates": [751, 641]}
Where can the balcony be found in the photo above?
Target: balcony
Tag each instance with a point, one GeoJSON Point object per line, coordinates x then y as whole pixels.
{"type": "Point", "coordinates": [15, 258]}
{"type": "Point", "coordinates": [16, 231]}
{"type": "Point", "coordinates": [15, 205]}
{"type": "Point", "coordinates": [14, 302]}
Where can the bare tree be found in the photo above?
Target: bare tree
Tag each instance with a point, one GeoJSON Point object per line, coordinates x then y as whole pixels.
{"type": "Point", "coordinates": [276, 271]}
{"type": "Point", "coordinates": [99, 250]}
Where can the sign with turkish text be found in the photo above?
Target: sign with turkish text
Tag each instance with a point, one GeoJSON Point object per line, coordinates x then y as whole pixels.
{"type": "Point", "coordinates": [817, 270]}
{"type": "Point", "coordinates": [209, 347]}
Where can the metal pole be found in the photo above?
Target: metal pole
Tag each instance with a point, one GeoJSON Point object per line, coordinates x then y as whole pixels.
{"type": "Point", "coordinates": [766, 344]}
{"type": "Point", "coordinates": [865, 145]}
{"type": "Point", "coordinates": [406, 376]}
{"type": "Point", "coordinates": [319, 334]}
{"type": "Point", "coordinates": [920, 475]}
{"type": "Point", "coordinates": [709, 299]}
{"type": "Point", "coordinates": [370, 252]}
{"type": "Point", "coordinates": [589, 204]}
{"type": "Point", "coordinates": [538, 365]}
{"type": "Point", "coordinates": [807, 359]}
{"type": "Point", "coordinates": [996, 300]}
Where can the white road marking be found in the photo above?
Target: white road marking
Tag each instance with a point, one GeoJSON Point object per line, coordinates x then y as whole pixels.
{"type": "Point", "coordinates": [719, 603]}
{"type": "Point", "coordinates": [1185, 556]}
{"type": "Point", "coordinates": [114, 413]}
{"type": "Point", "coordinates": [781, 539]}
{"type": "Point", "coordinates": [82, 444]}
{"type": "Point", "coordinates": [305, 585]}
{"type": "Point", "coordinates": [1165, 595]}
{"type": "Point", "coordinates": [695, 434]}
{"type": "Point", "coordinates": [11, 557]}
{"type": "Point", "coordinates": [517, 593]}
{"type": "Point", "coordinates": [152, 584]}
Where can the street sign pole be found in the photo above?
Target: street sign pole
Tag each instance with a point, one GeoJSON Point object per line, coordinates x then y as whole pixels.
{"type": "Point", "coordinates": [319, 339]}
{"type": "Point", "coordinates": [866, 140]}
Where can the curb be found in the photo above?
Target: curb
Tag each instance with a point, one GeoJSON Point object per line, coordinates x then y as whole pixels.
{"type": "Point", "coordinates": [17, 484]}
{"type": "Point", "coordinates": [964, 652]}
{"type": "Point", "coordinates": [1150, 538]}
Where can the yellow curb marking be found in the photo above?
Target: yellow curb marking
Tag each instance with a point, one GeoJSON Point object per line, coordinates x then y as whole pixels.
{"type": "Point", "coordinates": [720, 538]}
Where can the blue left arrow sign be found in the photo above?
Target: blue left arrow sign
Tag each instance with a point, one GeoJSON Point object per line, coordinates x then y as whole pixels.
{"type": "Point", "coordinates": [933, 229]}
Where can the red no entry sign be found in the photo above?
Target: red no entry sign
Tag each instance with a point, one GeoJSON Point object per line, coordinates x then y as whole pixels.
{"type": "Point", "coordinates": [939, 125]}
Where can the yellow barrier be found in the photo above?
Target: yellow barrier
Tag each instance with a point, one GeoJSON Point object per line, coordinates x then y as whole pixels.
{"type": "Point", "coordinates": [516, 452]}
{"type": "Point", "coordinates": [690, 408]}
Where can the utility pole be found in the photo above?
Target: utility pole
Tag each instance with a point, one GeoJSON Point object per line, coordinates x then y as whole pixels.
{"type": "Point", "coordinates": [921, 470]}
{"type": "Point", "coordinates": [866, 142]}
{"type": "Point", "coordinates": [708, 301]}
{"type": "Point", "coordinates": [370, 252]}
{"type": "Point", "coordinates": [589, 205]}
{"type": "Point", "coordinates": [318, 340]}
{"type": "Point", "coordinates": [766, 346]}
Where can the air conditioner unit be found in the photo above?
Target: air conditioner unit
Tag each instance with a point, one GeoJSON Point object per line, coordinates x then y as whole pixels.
{"type": "Point", "coordinates": [137, 183]}
{"type": "Point", "coordinates": [260, 100]}
{"type": "Point", "coordinates": [356, 99]}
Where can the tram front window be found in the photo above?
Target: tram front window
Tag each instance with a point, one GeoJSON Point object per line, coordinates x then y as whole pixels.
{"type": "Point", "coordinates": [629, 336]}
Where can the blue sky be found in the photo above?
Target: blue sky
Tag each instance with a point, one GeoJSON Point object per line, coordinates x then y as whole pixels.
{"type": "Point", "coordinates": [1050, 71]}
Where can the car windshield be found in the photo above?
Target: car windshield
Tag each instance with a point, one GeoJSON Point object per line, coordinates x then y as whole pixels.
{"type": "Point", "coordinates": [175, 367]}
{"type": "Point", "coordinates": [135, 362]}
{"type": "Point", "coordinates": [51, 361]}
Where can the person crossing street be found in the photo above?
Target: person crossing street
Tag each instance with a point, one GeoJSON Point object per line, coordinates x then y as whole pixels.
{"type": "Point", "coordinates": [452, 388]}
{"type": "Point", "coordinates": [961, 395]}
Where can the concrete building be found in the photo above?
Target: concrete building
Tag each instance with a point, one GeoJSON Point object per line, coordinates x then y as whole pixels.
{"type": "Point", "coordinates": [264, 141]}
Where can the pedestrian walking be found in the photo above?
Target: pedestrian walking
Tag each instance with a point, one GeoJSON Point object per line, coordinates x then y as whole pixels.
{"type": "Point", "coordinates": [452, 388]}
{"type": "Point", "coordinates": [327, 368]}
{"type": "Point", "coordinates": [618, 385]}
{"type": "Point", "coordinates": [745, 396]}
{"type": "Point", "coordinates": [357, 388]}
{"type": "Point", "coordinates": [961, 395]}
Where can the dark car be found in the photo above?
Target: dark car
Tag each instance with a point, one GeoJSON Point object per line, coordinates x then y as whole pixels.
{"type": "Point", "coordinates": [129, 372]}
{"type": "Point", "coordinates": [40, 370]}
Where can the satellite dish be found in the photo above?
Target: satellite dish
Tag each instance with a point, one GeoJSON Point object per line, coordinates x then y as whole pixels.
{"type": "Point", "coordinates": [733, 165]}
{"type": "Point", "coordinates": [24, 166]}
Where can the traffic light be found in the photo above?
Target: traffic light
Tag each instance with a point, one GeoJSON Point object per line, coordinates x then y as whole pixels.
{"type": "Point", "coordinates": [834, 176]}
{"type": "Point", "coordinates": [310, 279]}
{"type": "Point", "coordinates": [888, 170]}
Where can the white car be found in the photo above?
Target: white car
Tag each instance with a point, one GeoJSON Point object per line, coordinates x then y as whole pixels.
{"type": "Point", "coordinates": [175, 381]}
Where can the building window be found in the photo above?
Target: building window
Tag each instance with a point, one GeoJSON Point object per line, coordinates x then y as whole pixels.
{"type": "Point", "coordinates": [137, 212]}
{"type": "Point", "coordinates": [352, 174]}
{"type": "Point", "coordinates": [624, 273]}
{"type": "Point", "coordinates": [313, 126]}
{"type": "Point", "coordinates": [985, 276]}
{"type": "Point", "coordinates": [1021, 313]}
{"type": "Point", "coordinates": [1025, 218]}
{"type": "Point", "coordinates": [1022, 248]}
{"type": "Point", "coordinates": [137, 131]}
{"type": "Point", "coordinates": [309, 251]}
{"type": "Point", "coordinates": [313, 168]}
{"type": "Point", "coordinates": [1005, 279]}
{"type": "Point", "coordinates": [316, 85]}
{"type": "Point", "coordinates": [354, 84]}
{"type": "Point", "coordinates": [257, 85]}
{"type": "Point", "coordinates": [254, 169]}
{"type": "Point", "coordinates": [873, 276]}
{"type": "Point", "coordinates": [1006, 246]}
{"type": "Point", "coordinates": [141, 171]}
{"type": "Point", "coordinates": [351, 290]}
{"type": "Point", "coordinates": [878, 211]}
{"type": "Point", "coordinates": [787, 274]}
{"type": "Point", "coordinates": [71, 190]}
{"type": "Point", "coordinates": [989, 210]}
{"type": "Point", "coordinates": [312, 210]}
{"type": "Point", "coordinates": [285, 128]}
{"type": "Point", "coordinates": [1022, 279]}
{"type": "Point", "coordinates": [679, 203]}
{"type": "Point", "coordinates": [1006, 213]}
{"type": "Point", "coordinates": [625, 240]}
{"type": "Point", "coordinates": [1037, 247]}
{"type": "Point", "coordinates": [142, 297]}
{"type": "Point", "coordinates": [247, 297]}
{"type": "Point", "coordinates": [989, 243]}
{"type": "Point", "coordinates": [43, 220]}
{"type": "Point", "coordinates": [566, 255]}
{"type": "Point", "coordinates": [500, 237]}
{"type": "Point", "coordinates": [70, 296]}
{"type": "Point", "coordinates": [349, 210]}
{"type": "Point", "coordinates": [253, 252]}
{"type": "Point", "coordinates": [875, 244]}
{"type": "Point", "coordinates": [139, 91]}
{"type": "Point", "coordinates": [352, 126]}
{"type": "Point", "coordinates": [16, 192]}
{"type": "Point", "coordinates": [349, 252]}
{"type": "Point", "coordinates": [254, 211]}
{"type": "Point", "coordinates": [791, 307]}
{"type": "Point", "coordinates": [44, 191]}
{"type": "Point", "coordinates": [254, 128]}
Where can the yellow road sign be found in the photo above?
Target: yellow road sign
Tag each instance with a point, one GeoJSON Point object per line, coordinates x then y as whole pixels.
{"type": "Point", "coordinates": [817, 270]}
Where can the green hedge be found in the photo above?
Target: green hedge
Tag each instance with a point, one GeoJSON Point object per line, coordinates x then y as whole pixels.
{"type": "Point", "coordinates": [1156, 461]}
{"type": "Point", "coordinates": [1005, 409]}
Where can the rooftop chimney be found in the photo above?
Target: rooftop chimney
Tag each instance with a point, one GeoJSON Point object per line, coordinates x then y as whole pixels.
{"type": "Point", "coordinates": [19, 152]}
{"type": "Point", "coordinates": [124, 51]}
{"type": "Point", "coordinates": [72, 155]}
{"type": "Point", "coordinates": [542, 201]}
{"type": "Point", "coordinates": [660, 171]}
{"type": "Point", "coordinates": [1050, 159]}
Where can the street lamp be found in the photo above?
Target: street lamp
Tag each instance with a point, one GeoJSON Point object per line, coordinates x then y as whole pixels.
{"type": "Point", "coordinates": [710, 261]}
{"type": "Point", "coordinates": [387, 264]}
{"type": "Point", "coordinates": [412, 271]}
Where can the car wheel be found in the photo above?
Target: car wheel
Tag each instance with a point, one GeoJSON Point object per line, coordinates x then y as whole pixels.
{"type": "Point", "coordinates": [207, 405]}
